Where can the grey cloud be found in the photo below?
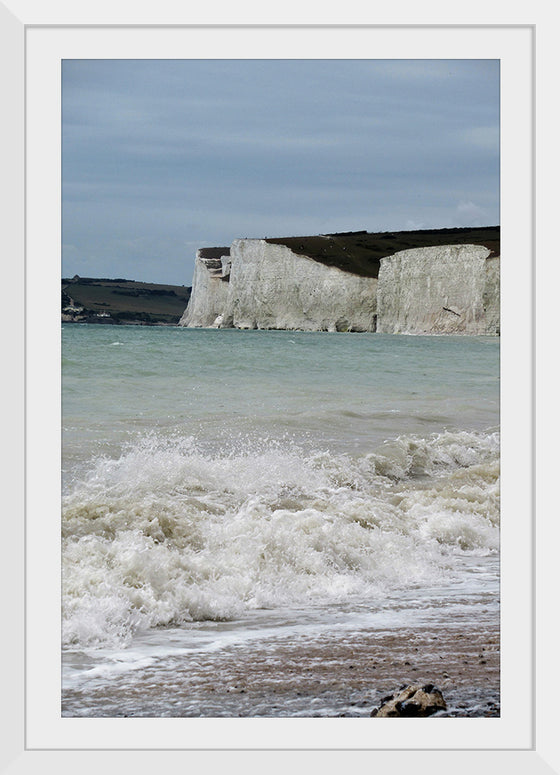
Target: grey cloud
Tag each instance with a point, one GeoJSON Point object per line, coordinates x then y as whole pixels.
{"type": "Point", "coordinates": [168, 153]}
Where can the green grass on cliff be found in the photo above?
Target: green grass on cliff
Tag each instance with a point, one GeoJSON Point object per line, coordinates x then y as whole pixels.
{"type": "Point", "coordinates": [360, 252]}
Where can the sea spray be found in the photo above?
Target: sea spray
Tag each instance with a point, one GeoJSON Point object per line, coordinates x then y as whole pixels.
{"type": "Point", "coordinates": [172, 532]}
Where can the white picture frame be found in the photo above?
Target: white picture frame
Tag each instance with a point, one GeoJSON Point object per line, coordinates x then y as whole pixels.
{"type": "Point", "coordinates": [35, 38]}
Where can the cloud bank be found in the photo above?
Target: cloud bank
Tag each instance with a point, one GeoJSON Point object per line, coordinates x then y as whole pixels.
{"type": "Point", "coordinates": [163, 156]}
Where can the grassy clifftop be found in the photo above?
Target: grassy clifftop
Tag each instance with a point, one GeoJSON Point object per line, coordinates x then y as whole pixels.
{"type": "Point", "coordinates": [360, 252]}
{"type": "Point", "coordinates": [101, 300]}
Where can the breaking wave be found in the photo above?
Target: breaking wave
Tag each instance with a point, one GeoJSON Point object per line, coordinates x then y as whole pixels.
{"type": "Point", "coordinates": [171, 533]}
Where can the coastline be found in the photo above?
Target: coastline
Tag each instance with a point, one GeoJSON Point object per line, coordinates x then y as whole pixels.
{"type": "Point", "coordinates": [339, 674]}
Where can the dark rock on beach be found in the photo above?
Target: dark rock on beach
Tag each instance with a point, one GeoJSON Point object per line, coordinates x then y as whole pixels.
{"type": "Point", "coordinates": [411, 701]}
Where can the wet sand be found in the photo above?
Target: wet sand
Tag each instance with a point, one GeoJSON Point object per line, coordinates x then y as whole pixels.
{"type": "Point", "coordinates": [336, 674]}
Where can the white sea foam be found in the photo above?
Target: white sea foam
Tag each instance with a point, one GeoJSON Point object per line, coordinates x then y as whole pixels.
{"type": "Point", "coordinates": [171, 532]}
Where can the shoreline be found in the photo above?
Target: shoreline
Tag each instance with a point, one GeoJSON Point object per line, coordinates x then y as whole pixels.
{"type": "Point", "coordinates": [339, 674]}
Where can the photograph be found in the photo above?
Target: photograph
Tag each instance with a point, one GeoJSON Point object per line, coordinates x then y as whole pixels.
{"type": "Point", "coordinates": [280, 388]}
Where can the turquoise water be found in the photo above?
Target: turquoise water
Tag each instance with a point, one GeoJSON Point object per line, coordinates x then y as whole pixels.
{"type": "Point", "coordinates": [224, 486]}
{"type": "Point", "coordinates": [345, 391]}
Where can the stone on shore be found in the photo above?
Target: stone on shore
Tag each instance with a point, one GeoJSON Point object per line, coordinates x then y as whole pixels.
{"type": "Point", "coordinates": [411, 701]}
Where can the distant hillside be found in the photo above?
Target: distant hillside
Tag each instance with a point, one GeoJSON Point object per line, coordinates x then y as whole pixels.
{"type": "Point", "coordinates": [360, 252]}
{"type": "Point", "coordinates": [103, 300]}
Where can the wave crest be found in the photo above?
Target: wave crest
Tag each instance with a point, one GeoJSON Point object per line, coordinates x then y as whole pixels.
{"type": "Point", "coordinates": [172, 533]}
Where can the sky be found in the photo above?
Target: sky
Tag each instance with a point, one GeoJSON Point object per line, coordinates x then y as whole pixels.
{"type": "Point", "coordinates": [161, 157]}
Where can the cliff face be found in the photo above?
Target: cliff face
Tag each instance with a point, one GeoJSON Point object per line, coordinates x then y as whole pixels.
{"type": "Point", "coordinates": [449, 289]}
{"type": "Point", "coordinates": [209, 291]}
{"type": "Point", "coordinates": [272, 287]}
{"type": "Point", "coordinates": [445, 289]}
{"type": "Point", "coordinates": [491, 296]}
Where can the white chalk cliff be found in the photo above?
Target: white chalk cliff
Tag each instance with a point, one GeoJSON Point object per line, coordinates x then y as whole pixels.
{"type": "Point", "coordinates": [449, 289]}
{"type": "Point", "coordinates": [272, 287]}
{"type": "Point", "coordinates": [209, 291]}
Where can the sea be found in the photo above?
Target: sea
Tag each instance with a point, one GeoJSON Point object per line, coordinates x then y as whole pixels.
{"type": "Point", "coordinates": [277, 523]}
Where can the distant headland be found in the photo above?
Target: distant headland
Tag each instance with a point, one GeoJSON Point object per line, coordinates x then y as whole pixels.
{"type": "Point", "coordinates": [119, 301]}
